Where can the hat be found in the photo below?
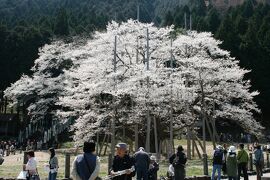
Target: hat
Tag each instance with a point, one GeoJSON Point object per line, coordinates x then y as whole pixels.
{"type": "Point", "coordinates": [232, 149]}
{"type": "Point", "coordinates": [153, 158]}
{"type": "Point", "coordinates": [122, 145]}
{"type": "Point", "coordinates": [219, 147]}
{"type": "Point", "coordinates": [141, 149]}
{"type": "Point", "coordinates": [180, 148]}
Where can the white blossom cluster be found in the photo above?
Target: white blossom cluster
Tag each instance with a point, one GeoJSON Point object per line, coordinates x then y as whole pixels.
{"type": "Point", "coordinates": [188, 76]}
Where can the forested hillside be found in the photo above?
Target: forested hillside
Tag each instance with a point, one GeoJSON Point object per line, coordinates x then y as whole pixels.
{"type": "Point", "coordinates": [26, 25]}
{"type": "Point", "coordinates": [245, 31]}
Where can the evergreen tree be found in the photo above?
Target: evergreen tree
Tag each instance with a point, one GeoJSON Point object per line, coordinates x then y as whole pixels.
{"type": "Point", "coordinates": [61, 23]}
{"type": "Point", "coordinates": [168, 19]}
{"type": "Point", "coordinates": [227, 33]}
{"type": "Point", "coordinates": [213, 20]}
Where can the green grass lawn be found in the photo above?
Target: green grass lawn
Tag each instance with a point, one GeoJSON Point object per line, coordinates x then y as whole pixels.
{"type": "Point", "coordinates": [13, 165]}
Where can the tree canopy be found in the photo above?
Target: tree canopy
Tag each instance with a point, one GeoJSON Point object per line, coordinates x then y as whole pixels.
{"type": "Point", "coordinates": [187, 72]}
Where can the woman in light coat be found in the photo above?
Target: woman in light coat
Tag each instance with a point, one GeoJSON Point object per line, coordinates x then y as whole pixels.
{"type": "Point", "coordinates": [53, 165]}
{"type": "Point", "coordinates": [31, 166]}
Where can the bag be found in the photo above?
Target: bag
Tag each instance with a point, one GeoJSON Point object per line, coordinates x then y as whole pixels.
{"type": "Point", "coordinates": [218, 157]}
{"type": "Point", "coordinates": [34, 177]}
{"type": "Point", "coordinates": [22, 175]}
{"type": "Point", "coordinates": [1, 160]}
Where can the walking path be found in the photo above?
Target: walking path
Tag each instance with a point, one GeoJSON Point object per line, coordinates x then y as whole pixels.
{"type": "Point", "coordinates": [265, 176]}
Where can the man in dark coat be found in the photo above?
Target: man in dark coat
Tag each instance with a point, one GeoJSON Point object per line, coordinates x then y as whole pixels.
{"type": "Point", "coordinates": [142, 162]}
{"type": "Point", "coordinates": [122, 161]}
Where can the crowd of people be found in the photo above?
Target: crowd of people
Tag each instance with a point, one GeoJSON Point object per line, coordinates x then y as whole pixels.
{"type": "Point", "coordinates": [235, 163]}
{"type": "Point", "coordinates": [241, 137]}
{"type": "Point", "coordinates": [124, 166]}
{"type": "Point", "coordinates": [8, 148]}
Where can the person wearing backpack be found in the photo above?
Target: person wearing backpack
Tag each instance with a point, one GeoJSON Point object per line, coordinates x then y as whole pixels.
{"type": "Point", "coordinates": [178, 161]}
{"type": "Point", "coordinates": [87, 165]}
{"type": "Point", "coordinates": [258, 161]}
{"type": "Point", "coordinates": [242, 162]}
{"type": "Point", "coordinates": [218, 159]}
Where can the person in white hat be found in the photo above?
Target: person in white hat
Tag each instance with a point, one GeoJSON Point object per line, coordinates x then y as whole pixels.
{"type": "Point", "coordinates": [122, 161]}
{"type": "Point", "coordinates": [153, 168]}
{"type": "Point", "coordinates": [232, 163]}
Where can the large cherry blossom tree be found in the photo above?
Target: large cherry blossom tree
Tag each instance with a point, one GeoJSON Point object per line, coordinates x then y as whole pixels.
{"type": "Point", "coordinates": [132, 71]}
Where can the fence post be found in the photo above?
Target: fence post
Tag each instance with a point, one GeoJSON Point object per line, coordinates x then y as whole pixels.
{"type": "Point", "coordinates": [24, 159]}
{"type": "Point", "coordinates": [205, 164]}
{"type": "Point", "coordinates": [67, 166]}
{"type": "Point", "coordinates": [110, 160]}
{"type": "Point", "coordinates": [250, 162]}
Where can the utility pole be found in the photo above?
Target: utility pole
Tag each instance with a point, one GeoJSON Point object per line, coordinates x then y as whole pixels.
{"type": "Point", "coordinates": [115, 17]}
{"type": "Point", "coordinates": [205, 161]}
{"type": "Point", "coordinates": [137, 61]}
{"type": "Point", "coordinates": [147, 50]}
{"type": "Point", "coordinates": [114, 109]}
{"type": "Point", "coordinates": [185, 21]}
{"type": "Point", "coordinates": [190, 22]}
{"type": "Point", "coordinates": [171, 108]}
{"type": "Point", "coordinates": [148, 111]}
{"type": "Point", "coordinates": [138, 11]}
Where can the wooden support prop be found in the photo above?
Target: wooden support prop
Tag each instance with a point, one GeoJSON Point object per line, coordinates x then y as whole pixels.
{"type": "Point", "coordinates": [155, 133]}
{"type": "Point", "coordinates": [210, 132]}
{"type": "Point", "coordinates": [136, 136]}
{"type": "Point", "coordinates": [102, 144]}
{"type": "Point", "coordinates": [168, 148]}
{"type": "Point", "coordinates": [192, 148]}
{"type": "Point", "coordinates": [124, 133]}
{"type": "Point", "coordinates": [160, 149]}
{"type": "Point", "coordinates": [148, 131]}
{"type": "Point", "coordinates": [200, 143]}
{"type": "Point", "coordinates": [197, 149]}
{"type": "Point", "coordinates": [110, 160]}
{"type": "Point", "coordinates": [97, 146]}
{"type": "Point", "coordinates": [106, 146]}
{"type": "Point", "coordinates": [6, 102]}
{"type": "Point", "coordinates": [195, 144]}
{"type": "Point", "coordinates": [215, 134]}
{"type": "Point", "coordinates": [188, 144]}
{"type": "Point", "coordinates": [67, 165]}
{"type": "Point", "coordinates": [267, 160]}
{"type": "Point", "coordinates": [214, 131]}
